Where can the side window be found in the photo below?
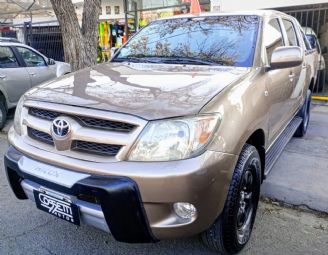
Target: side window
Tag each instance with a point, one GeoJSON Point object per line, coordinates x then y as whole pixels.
{"type": "Point", "coordinates": [313, 42]}
{"type": "Point", "coordinates": [306, 41]}
{"type": "Point", "coordinates": [7, 58]}
{"type": "Point", "coordinates": [30, 57]}
{"type": "Point", "coordinates": [273, 37]}
{"type": "Point", "coordinates": [291, 35]}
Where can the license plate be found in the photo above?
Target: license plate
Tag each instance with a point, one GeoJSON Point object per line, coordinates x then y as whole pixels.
{"type": "Point", "coordinates": [57, 205]}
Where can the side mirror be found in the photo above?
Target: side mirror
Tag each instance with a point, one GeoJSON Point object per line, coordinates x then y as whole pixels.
{"type": "Point", "coordinates": [285, 57]}
{"type": "Point", "coordinates": [113, 52]}
{"type": "Point", "coordinates": [51, 62]}
{"type": "Point", "coordinates": [324, 50]}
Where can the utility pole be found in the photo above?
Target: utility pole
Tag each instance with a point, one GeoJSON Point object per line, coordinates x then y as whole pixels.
{"type": "Point", "coordinates": [126, 27]}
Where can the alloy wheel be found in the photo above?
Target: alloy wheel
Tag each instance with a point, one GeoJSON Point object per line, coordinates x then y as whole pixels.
{"type": "Point", "coordinates": [246, 206]}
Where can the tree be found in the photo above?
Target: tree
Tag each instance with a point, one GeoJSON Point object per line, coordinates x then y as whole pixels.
{"type": "Point", "coordinates": [80, 42]}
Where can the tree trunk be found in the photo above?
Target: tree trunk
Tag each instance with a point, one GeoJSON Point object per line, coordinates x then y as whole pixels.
{"type": "Point", "coordinates": [90, 27]}
{"type": "Point", "coordinates": [80, 44]}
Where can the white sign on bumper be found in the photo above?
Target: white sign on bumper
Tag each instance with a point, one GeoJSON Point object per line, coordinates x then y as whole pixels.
{"type": "Point", "coordinates": [50, 173]}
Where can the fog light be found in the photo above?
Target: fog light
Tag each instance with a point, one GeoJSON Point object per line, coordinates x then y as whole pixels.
{"type": "Point", "coordinates": [184, 210]}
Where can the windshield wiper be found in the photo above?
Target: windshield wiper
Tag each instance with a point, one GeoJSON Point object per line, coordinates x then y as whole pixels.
{"type": "Point", "coordinates": [135, 60]}
{"type": "Point", "coordinates": [169, 60]}
{"type": "Point", "coordinates": [188, 61]}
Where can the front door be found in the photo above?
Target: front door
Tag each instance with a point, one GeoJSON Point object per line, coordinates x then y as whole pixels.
{"type": "Point", "coordinates": [279, 82]}
{"type": "Point", "coordinates": [36, 66]}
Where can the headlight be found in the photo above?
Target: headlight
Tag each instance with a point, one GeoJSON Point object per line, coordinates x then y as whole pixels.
{"type": "Point", "coordinates": [18, 116]}
{"type": "Point", "coordinates": [174, 139]}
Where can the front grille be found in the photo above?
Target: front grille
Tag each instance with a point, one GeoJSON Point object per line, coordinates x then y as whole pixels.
{"type": "Point", "coordinates": [82, 146]}
{"type": "Point", "coordinates": [106, 124]}
{"type": "Point", "coordinates": [96, 148]}
{"type": "Point", "coordinates": [44, 114]}
{"type": "Point", "coordinates": [40, 136]}
{"type": "Point", "coordinates": [84, 121]}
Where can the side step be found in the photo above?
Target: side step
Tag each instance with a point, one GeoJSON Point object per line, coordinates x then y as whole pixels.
{"type": "Point", "coordinates": [279, 145]}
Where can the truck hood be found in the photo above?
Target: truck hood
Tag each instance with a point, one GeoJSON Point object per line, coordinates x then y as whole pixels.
{"type": "Point", "coordinates": [150, 91]}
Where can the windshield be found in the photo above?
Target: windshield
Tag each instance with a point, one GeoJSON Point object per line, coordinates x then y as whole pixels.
{"type": "Point", "coordinates": [223, 40]}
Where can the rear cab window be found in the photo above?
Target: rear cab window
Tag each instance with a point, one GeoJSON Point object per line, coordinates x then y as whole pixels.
{"type": "Point", "coordinates": [306, 41]}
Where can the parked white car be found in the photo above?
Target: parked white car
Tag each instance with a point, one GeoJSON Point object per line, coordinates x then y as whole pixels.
{"type": "Point", "coordinates": [314, 42]}
{"type": "Point", "coordinates": [21, 68]}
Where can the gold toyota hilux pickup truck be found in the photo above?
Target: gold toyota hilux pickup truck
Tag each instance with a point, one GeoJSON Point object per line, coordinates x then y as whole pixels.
{"type": "Point", "coordinates": [174, 136]}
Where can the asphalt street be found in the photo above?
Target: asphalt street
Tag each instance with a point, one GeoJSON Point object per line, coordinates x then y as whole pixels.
{"type": "Point", "coordinates": [26, 230]}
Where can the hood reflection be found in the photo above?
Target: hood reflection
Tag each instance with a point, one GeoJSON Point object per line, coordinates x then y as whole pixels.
{"type": "Point", "coordinates": [147, 90]}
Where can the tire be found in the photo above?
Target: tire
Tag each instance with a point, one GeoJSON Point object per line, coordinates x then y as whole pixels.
{"type": "Point", "coordinates": [3, 114]}
{"type": "Point", "coordinates": [320, 81]}
{"type": "Point", "coordinates": [232, 229]}
{"type": "Point", "coordinates": [304, 113]}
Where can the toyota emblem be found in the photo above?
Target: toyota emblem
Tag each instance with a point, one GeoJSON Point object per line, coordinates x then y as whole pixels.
{"type": "Point", "coordinates": [61, 127]}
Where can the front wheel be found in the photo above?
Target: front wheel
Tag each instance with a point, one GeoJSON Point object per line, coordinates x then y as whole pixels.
{"type": "Point", "coordinates": [232, 230]}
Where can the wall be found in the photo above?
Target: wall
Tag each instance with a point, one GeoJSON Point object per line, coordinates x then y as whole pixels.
{"type": "Point", "coordinates": [146, 4]}
{"type": "Point", "coordinates": [112, 4]}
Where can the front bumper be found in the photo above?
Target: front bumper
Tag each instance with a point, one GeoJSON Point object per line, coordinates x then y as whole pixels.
{"type": "Point", "coordinates": [124, 215]}
{"type": "Point", "coordinates": [148, 190]}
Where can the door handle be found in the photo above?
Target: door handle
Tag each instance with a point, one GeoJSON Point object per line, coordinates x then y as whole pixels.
{"type": "Point", "coordinates": [3, 76]}
{"type": "Point", "coordinates": [291, 77]}
{"type": "Point", "coordinates": [33, 74]}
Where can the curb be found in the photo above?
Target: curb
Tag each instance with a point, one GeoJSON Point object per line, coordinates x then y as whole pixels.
{"type": "Point", "coordinates": [299, 207]}
{"type": "Point", "coordinates": [297, 198]}
{"type": "Point", "coordinates": [321, 98]}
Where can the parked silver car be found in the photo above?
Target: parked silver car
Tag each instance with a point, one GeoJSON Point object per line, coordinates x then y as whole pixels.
{"type": "Point", "coordinates": [9, 39]}
{"type": "Point", "coordinates": [22, 67]}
